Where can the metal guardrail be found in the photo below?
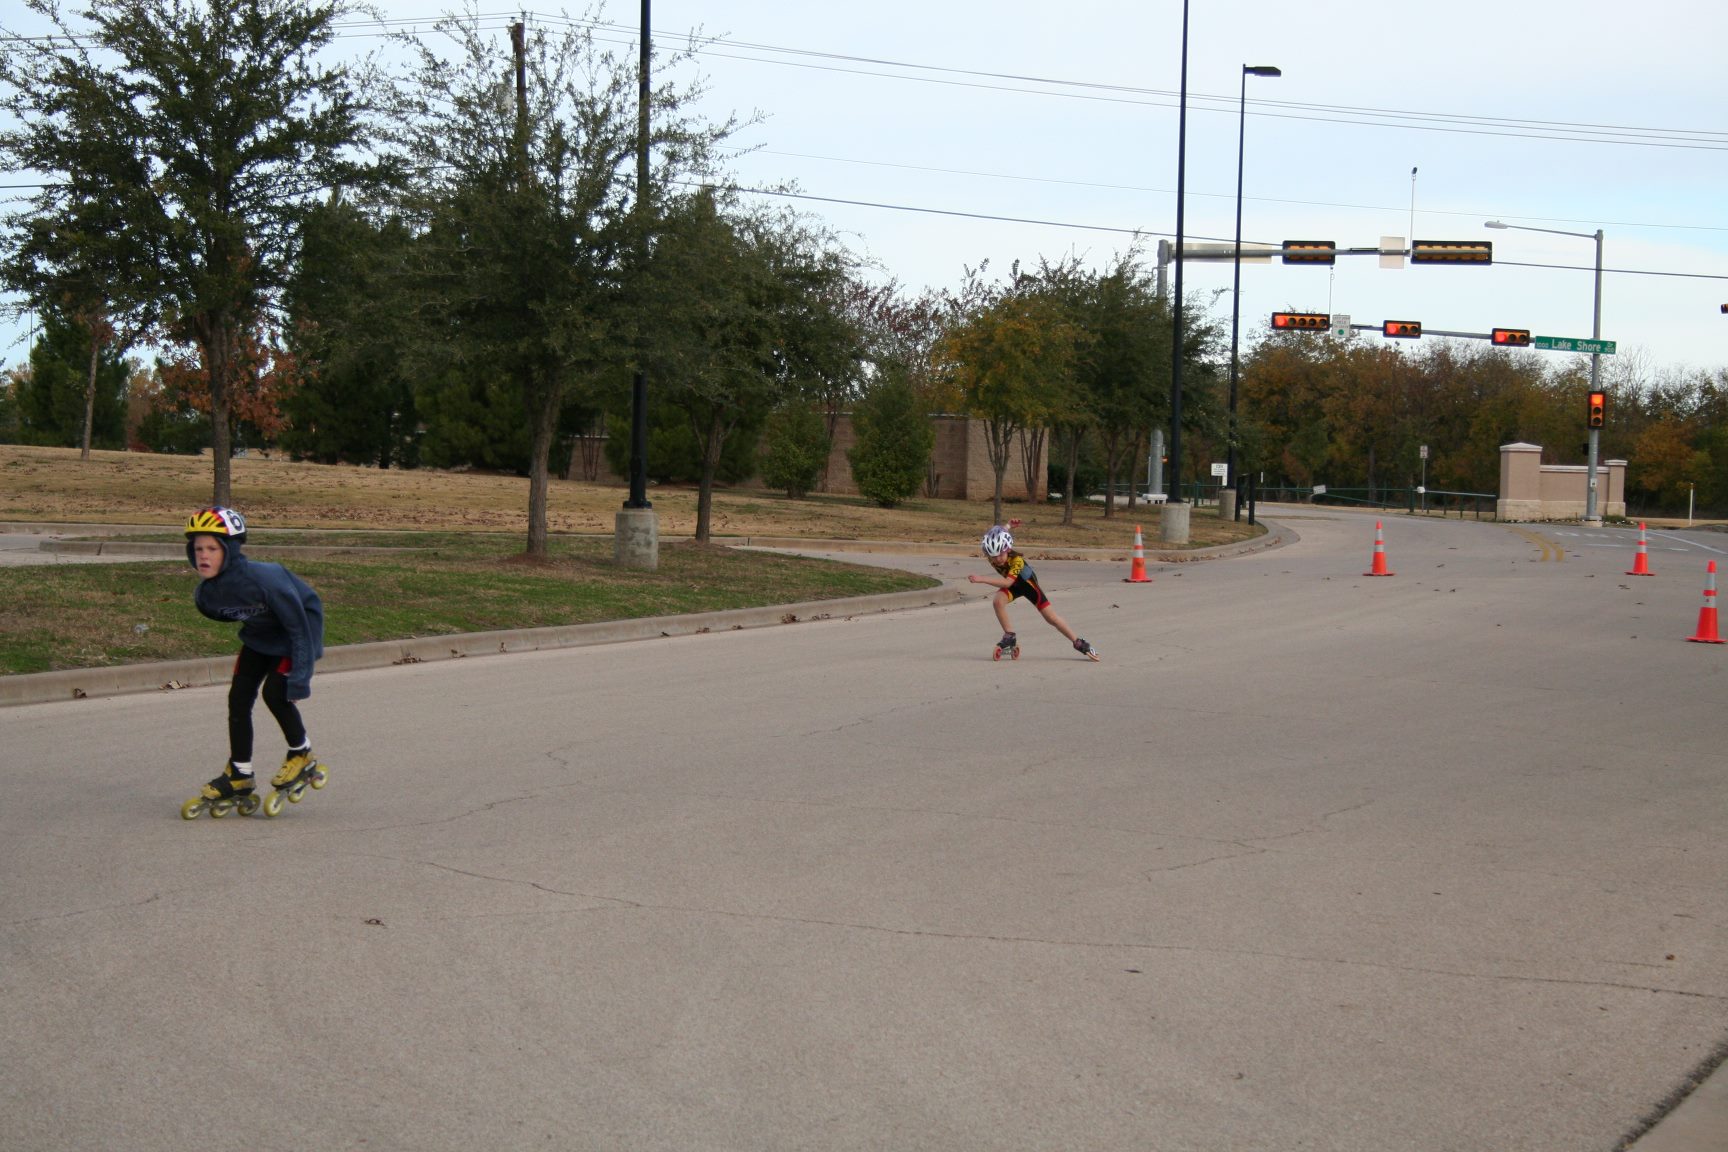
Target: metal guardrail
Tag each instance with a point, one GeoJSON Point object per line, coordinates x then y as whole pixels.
{"type": "Point", "coordinates": [1482, 505]}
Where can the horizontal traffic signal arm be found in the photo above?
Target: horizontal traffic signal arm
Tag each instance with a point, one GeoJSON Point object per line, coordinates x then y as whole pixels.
{"type": "Point", "coordinates": [1301, 321]}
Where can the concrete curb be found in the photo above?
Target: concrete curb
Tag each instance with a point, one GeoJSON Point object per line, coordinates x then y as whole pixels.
{"type": "Point", "coordinates": [82, 683]}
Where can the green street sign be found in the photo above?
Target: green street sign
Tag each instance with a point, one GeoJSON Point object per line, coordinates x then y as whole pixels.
{"type": "Point", "coordinates": [1573, 344]}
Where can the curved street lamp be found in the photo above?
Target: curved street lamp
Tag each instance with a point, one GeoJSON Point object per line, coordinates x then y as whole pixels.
{"type": "Point", "coordinates": [1236, 258]}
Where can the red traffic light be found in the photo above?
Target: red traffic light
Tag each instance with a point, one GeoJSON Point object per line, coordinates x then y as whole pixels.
{"type": "Point", "coordinates": [1598, 409]}
{"type": "Point", "coordinates": [1512, 337]}
{"type": "Point", "coordinates": [1301, 321]}
{"type": "Point", "coordinates": [1402, 329]}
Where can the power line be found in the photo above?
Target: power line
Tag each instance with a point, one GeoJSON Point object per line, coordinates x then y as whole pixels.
{"type": "Point", "coordinates": [1154, 232]}
{"type": "Point", "coordinates": [1702, 139]}
{"type": "Point", "coordinates": [1215, 195]}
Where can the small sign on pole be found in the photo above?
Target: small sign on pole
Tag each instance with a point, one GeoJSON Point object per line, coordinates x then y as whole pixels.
{"type": "Point", "coordinates": [1424, 452]}
{"type": "Point", "coordinates": [1340, 324]}
{"type": "Point", "coordinates": [1222, 470]}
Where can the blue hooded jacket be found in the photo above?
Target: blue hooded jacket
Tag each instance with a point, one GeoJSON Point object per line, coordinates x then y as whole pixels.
{"type": "Point", "coordinates": [279, 614]}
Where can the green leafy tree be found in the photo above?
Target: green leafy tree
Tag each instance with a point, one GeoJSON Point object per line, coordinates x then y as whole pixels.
{"type": "Point", "coordinates": [524, 163]}
{"type": "Point", "coordinates": [728, 293]}
{"type": "Point", "coordinates": [57, 405]}
{"type": "Point", "coordinates": [795, 449]}
{"type": "Point", "coordinates": [894, 441]}
{"type": "Point", "coordinates": [70, 250]}
{"type": "Point", "coordinates": [355, 403]}
{"type": "Point", "coordinates": [215, 124]}
{"type": "Point", "coordinates": [9, 386]}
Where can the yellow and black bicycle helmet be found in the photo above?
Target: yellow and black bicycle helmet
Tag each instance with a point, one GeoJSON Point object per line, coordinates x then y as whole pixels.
{"type": "Point", "coordinates": [217, 521]}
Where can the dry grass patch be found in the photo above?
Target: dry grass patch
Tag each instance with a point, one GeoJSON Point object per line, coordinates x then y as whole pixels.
{"type": "Point", "coordinates": [52, 484]}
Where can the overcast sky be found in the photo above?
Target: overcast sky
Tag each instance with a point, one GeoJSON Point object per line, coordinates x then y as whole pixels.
{"type": "Point", "coordinates": [1570, 116]}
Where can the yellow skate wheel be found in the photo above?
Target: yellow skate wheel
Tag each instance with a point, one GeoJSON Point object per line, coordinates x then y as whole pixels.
{"type": "Point", "coordinates": [320, 777]}
{"type": "Point", "coordinates": [296, 793]}
{"type": "Point", "coordinates": [192, 809]}
{"type": "Point", "coordinates": [273, 804]}
{"type": "Point", "coordinates": [248, 804]}
{"type": "Point", "coordinates": [221, 808]}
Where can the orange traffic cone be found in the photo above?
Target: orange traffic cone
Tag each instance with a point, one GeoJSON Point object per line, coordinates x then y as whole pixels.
{"type": "Point", "coordinates": [1641, 562]}
{"type": "Point", "coordinates": [1707, 614]}
{"type": "Point", "coordinates": [1379, 568]}
{"type": "Point", "coordinates": [1137, 572]}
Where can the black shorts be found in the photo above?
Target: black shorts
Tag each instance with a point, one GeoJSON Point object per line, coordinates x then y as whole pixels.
{"type": "Point", "coordinates": [1025, 587]}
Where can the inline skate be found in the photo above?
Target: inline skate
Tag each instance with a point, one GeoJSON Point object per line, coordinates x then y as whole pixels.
{"type": "Point", "coordinates": [229, 791]}
{"type": "Point", "coordinates": [299, 772]}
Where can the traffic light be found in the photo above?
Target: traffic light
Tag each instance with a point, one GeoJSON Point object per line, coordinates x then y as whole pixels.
{"type": "Point", "coordinates": [1402, 329]}
{"type": "Point", "coordinates": [1310, 252]}
{"type": "Point", "coordinates": [1512, 337]}
{"type": "Point", "coordinates": [1598, 409]}
{"type": "Point", "coordinates": [1301, 321]}
{"type": "Point", "coordinates": [1725, 309]}
{"type": "Point", "coordinates": [1451, 252]}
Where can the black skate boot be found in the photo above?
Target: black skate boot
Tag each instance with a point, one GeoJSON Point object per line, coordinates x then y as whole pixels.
{"type": "Point", "coordinates": [1009, 644]}
{"type": "Point", "coordinates": [233, 789]}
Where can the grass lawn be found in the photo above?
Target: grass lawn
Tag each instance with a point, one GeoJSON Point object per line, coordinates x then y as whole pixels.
{"type": "Point", "coordinates": [466, 572]}
{"type": "Point", "coordinates": [91, 615]}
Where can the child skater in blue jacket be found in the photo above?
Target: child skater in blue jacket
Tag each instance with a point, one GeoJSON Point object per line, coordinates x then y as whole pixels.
{"type": "Point", "coordinates": [281, 636]}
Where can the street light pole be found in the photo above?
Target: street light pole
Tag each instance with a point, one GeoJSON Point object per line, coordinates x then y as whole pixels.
{"type": "Point", "coordinates": [1591, 514]}
{"type": "Point", "coordinates": [1175, 515]}
{"type": "Point", "coordinates": [1236, 284]}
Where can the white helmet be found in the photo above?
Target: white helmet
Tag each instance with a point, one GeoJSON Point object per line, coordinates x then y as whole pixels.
{"type": "Point", "coordinates": [997, 541]}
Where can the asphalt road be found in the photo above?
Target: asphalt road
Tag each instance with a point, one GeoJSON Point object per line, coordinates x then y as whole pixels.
{"type": "Point", "coordinates": [1309, 861]}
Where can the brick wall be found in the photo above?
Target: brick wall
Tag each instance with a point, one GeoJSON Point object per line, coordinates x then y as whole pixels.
{"type": "Point", "coordinates": [959, 463]}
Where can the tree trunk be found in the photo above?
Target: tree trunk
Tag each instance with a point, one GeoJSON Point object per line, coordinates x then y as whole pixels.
{"type": "Point", "coordinates": [1112, 457]}
{"type": "Point", "coordinates": [90, 392]}
{"type": "Point", "coordinates": [710, 445]}
{"type": "Point", "coordinates": [1068, 486]}
{"type": "Point", "coordinates": [217, 347]}
{"type": "Point", "coordinates": [1031, 449]}
{"type": "Point", "coordinates": [539, 467]}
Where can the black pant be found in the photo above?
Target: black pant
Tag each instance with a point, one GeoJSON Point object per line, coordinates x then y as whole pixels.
{"type": "Point", "coordinates": [251, 669]}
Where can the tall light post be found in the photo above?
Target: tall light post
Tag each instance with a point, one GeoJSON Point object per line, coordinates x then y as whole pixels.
{"type": "Point", "coordinates": [1236, 284]}
{"type": "Point", "coordinates": [1175, 515]}
{"type": "Point", "coordinates": [1591, 515]}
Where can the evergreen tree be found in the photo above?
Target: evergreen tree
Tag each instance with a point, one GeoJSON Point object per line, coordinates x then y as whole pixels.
{"type": "Point", "coordinates": [53, 397]}
{"type": "Point", "coordinates": [525, 215]}
{"type": "Point", "coordinates": [796, 441]}
{"type": "Point", "coordinates": [894, 441]}
{"type": "Point", "coordinates": [355, 403]}
{"type": "Point", "coordinates": [209, 127]}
